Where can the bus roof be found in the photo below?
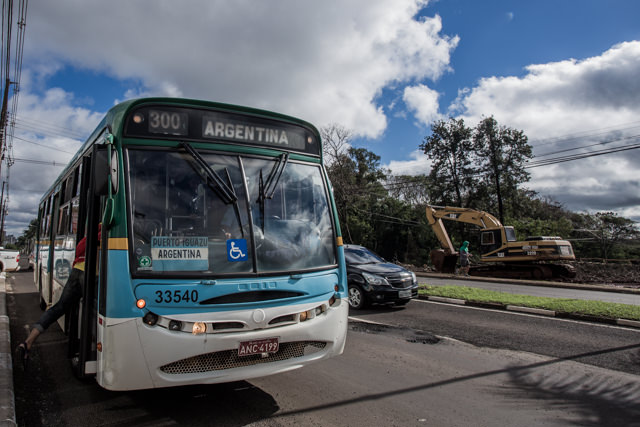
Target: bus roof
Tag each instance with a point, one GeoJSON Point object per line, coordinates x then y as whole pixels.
{"type": "Point", "coordinates": [114, 121]}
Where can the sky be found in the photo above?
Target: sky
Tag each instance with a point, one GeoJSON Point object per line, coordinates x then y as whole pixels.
{"type": "Point", "coordinates": [564, 72]}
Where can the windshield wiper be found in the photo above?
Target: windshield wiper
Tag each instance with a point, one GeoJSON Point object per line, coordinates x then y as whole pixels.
{"type": "Point", "coordinates": [267, 189]}
{"type": "Point", "coordinates": [226, 193]}
{"type": "Point", "coordinates": [224, 190]}
{"type": "Point", "coordinates": [236, 207]}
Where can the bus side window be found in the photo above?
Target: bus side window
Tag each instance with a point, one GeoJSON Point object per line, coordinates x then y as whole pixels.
{"type": "Point", "coordinates": [148, 186]}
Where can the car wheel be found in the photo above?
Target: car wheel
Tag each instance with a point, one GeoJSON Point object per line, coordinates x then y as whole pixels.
{"type": "Point", "coordinates": [357, 300]}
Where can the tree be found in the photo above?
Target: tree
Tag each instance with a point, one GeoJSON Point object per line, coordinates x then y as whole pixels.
{"type": "Point", "coordinates": [356, 178]}
{"type": "Point", "coordinates": [25, 242]}
{"type": "Point", "coordinates": [609, 229]}
{"type": "Point", "coordinates": [449, 148]}
{"type": "Point", "coordinates": [413, 190]}
{"type": "Point", "coordinates": [501, 153]}
{"type": "Point", "coordinates": [336, 141]}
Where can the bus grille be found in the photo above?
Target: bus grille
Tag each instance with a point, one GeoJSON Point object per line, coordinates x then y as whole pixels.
{"type": "Point", "coordinates": [229, 359]}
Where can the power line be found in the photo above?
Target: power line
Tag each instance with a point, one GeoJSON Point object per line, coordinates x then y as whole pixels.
{"type": "Point", "coordinates": [585, 134]}
{"type": "Point", "coordinates": [41, 162]}
{"type": "Point", "coordinates": [588, 146]}
{"type": "Point", "coordinates": [46, 128]}
{"type": "Point", "coordinates": [557, 160]}
{"type": "Point", "coordinates": [42, 145]}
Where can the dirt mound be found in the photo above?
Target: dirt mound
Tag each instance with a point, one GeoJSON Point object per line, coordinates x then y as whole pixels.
{"type": "Point", "coordinates": [623, 274]}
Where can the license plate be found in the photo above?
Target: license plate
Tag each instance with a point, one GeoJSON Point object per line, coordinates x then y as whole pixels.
{"type": "Point", "coordinates": [404, 294]}
{"type": "Point", "coordinates": [267, 345]}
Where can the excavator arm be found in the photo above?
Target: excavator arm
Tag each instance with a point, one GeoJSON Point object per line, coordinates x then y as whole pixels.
{"type": "Point", "coordinates": [435, 215]}
{"type": "Point", "coordinates": [440, 231]}
{"type": "Point", "coordinates": [470, 216]}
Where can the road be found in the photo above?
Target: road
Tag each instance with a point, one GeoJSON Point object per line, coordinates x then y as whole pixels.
{"type": "Point", "coordinates": [524, 288]}
{"type": "Point", "coordinates": [428, 364]}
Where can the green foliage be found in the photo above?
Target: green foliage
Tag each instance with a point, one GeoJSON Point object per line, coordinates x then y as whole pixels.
{"type": "Point", "coordinates": [26, 241]}
{"type": "Point", "coordinates": [449, 147]}
{"type": "Point", "coordinates": [561, 305]}
{"type": "Point", "coordinates": [500, 154]}
{"type": "Point", "coordinates": [606, 235]}
{"type": "Point", "coordinates": [526, 227]}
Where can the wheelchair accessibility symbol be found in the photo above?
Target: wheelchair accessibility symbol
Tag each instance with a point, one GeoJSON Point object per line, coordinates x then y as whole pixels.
{"type": "Point", "coordinates": [237, 250]}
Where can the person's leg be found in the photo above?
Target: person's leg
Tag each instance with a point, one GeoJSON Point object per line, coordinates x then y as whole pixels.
{"type": "Point", "coordinates": [70, 295]}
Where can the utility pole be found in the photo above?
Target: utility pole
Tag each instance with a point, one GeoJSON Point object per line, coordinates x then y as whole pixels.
{"type": "Point", "coordinates": [2, 212]}
{"type": "Point", "coordinates": [3, 121]}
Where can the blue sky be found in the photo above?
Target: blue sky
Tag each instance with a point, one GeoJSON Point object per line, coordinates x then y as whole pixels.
{"type": "Point", "coordinates": [385, 69]}
{"type": "Point", "coordinates": [502, 37]}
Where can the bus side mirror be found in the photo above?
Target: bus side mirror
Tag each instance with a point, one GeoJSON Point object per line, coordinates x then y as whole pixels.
{"type": "Point", "coordinates": [101, 172]}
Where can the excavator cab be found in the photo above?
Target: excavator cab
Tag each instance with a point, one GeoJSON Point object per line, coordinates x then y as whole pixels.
{"type": "Point", "coordinates": [496, 238]}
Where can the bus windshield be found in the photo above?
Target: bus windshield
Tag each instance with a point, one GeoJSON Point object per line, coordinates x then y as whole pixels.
{"type": "Point", "coordinates": [230, 214]}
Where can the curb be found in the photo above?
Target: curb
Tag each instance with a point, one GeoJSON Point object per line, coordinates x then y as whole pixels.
{"type": "Point", "coordinates": [537, 311]}
{"type": "Point", "coordinates": [7, 397]}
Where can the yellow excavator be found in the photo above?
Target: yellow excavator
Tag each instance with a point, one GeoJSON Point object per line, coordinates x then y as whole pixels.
{"type": "Point", "coordinates": [501, 254]}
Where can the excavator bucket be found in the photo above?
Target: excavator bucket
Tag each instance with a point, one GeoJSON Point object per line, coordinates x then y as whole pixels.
{"type": "Point", "coordinates": [442, 262]}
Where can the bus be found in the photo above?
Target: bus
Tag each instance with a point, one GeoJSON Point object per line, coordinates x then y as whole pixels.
{"type": "Point", "coordinates": [213, 249]}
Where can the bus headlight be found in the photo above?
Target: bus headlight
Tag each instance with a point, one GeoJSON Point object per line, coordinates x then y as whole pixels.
{"type": "Point", "coordinates": [199, 328]}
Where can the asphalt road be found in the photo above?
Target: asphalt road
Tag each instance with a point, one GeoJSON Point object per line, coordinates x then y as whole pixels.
{"type": "Point", "coordinates": [428, 364]}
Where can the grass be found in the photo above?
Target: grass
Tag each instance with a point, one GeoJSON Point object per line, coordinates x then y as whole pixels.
{"type": "Point", "coordinates": [559, 305]}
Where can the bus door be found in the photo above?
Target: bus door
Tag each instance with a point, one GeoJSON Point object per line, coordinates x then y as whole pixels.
{"type": "Point", "coordinates": [47, 284]}
{"type": "Point", "coordinates": [82, 348]}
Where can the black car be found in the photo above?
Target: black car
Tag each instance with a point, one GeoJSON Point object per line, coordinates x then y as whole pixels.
{"type": "Point", "coordinates": [374, 280]}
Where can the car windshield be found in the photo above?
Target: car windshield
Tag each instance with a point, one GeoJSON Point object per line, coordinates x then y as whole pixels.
{"type": "Point", "coordinates": [361, 256]}
{"type": "Point", "coordinates": [207, 213]}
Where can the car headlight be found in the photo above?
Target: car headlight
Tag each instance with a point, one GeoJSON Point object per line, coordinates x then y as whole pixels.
{"type": "Point", "coordinates": [375, 280]}
{"type": "Point", "coordinates": [413, 277]}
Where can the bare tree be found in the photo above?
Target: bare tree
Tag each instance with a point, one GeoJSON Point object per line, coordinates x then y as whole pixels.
{"type": "Point", "coordinates": [336, 141]}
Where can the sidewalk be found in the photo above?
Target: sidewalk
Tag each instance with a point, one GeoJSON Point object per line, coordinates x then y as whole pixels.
{"type": "Point", "coordinates": [7, 401]}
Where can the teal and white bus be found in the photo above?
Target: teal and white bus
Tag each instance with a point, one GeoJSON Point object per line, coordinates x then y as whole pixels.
{"type": "Point", "coordinates": [221, 255]}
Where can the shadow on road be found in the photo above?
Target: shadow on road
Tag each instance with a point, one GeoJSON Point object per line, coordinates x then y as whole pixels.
{"type": "Point", "coordinates": [47, 392]}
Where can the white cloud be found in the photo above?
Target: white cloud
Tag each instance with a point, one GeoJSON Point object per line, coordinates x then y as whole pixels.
{"type": "Point", "coordinates": [323, 61]}
{"type": "Point", "coordinates": [559, 98]}
{"type": "Point", "coordinates": [569, 104]}
{"type": "Point", "coordinates": [48, 129]}
{"type": "Point", "coordinates": [423, 101]}
{"type": "Point", "coordinates": [419, 164]}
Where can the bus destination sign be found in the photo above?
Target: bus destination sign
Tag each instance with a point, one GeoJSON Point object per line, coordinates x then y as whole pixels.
{"type": "Point", "coordinates": [195, 124]}
{"type": "Point", "coordinates": [219, 126]}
